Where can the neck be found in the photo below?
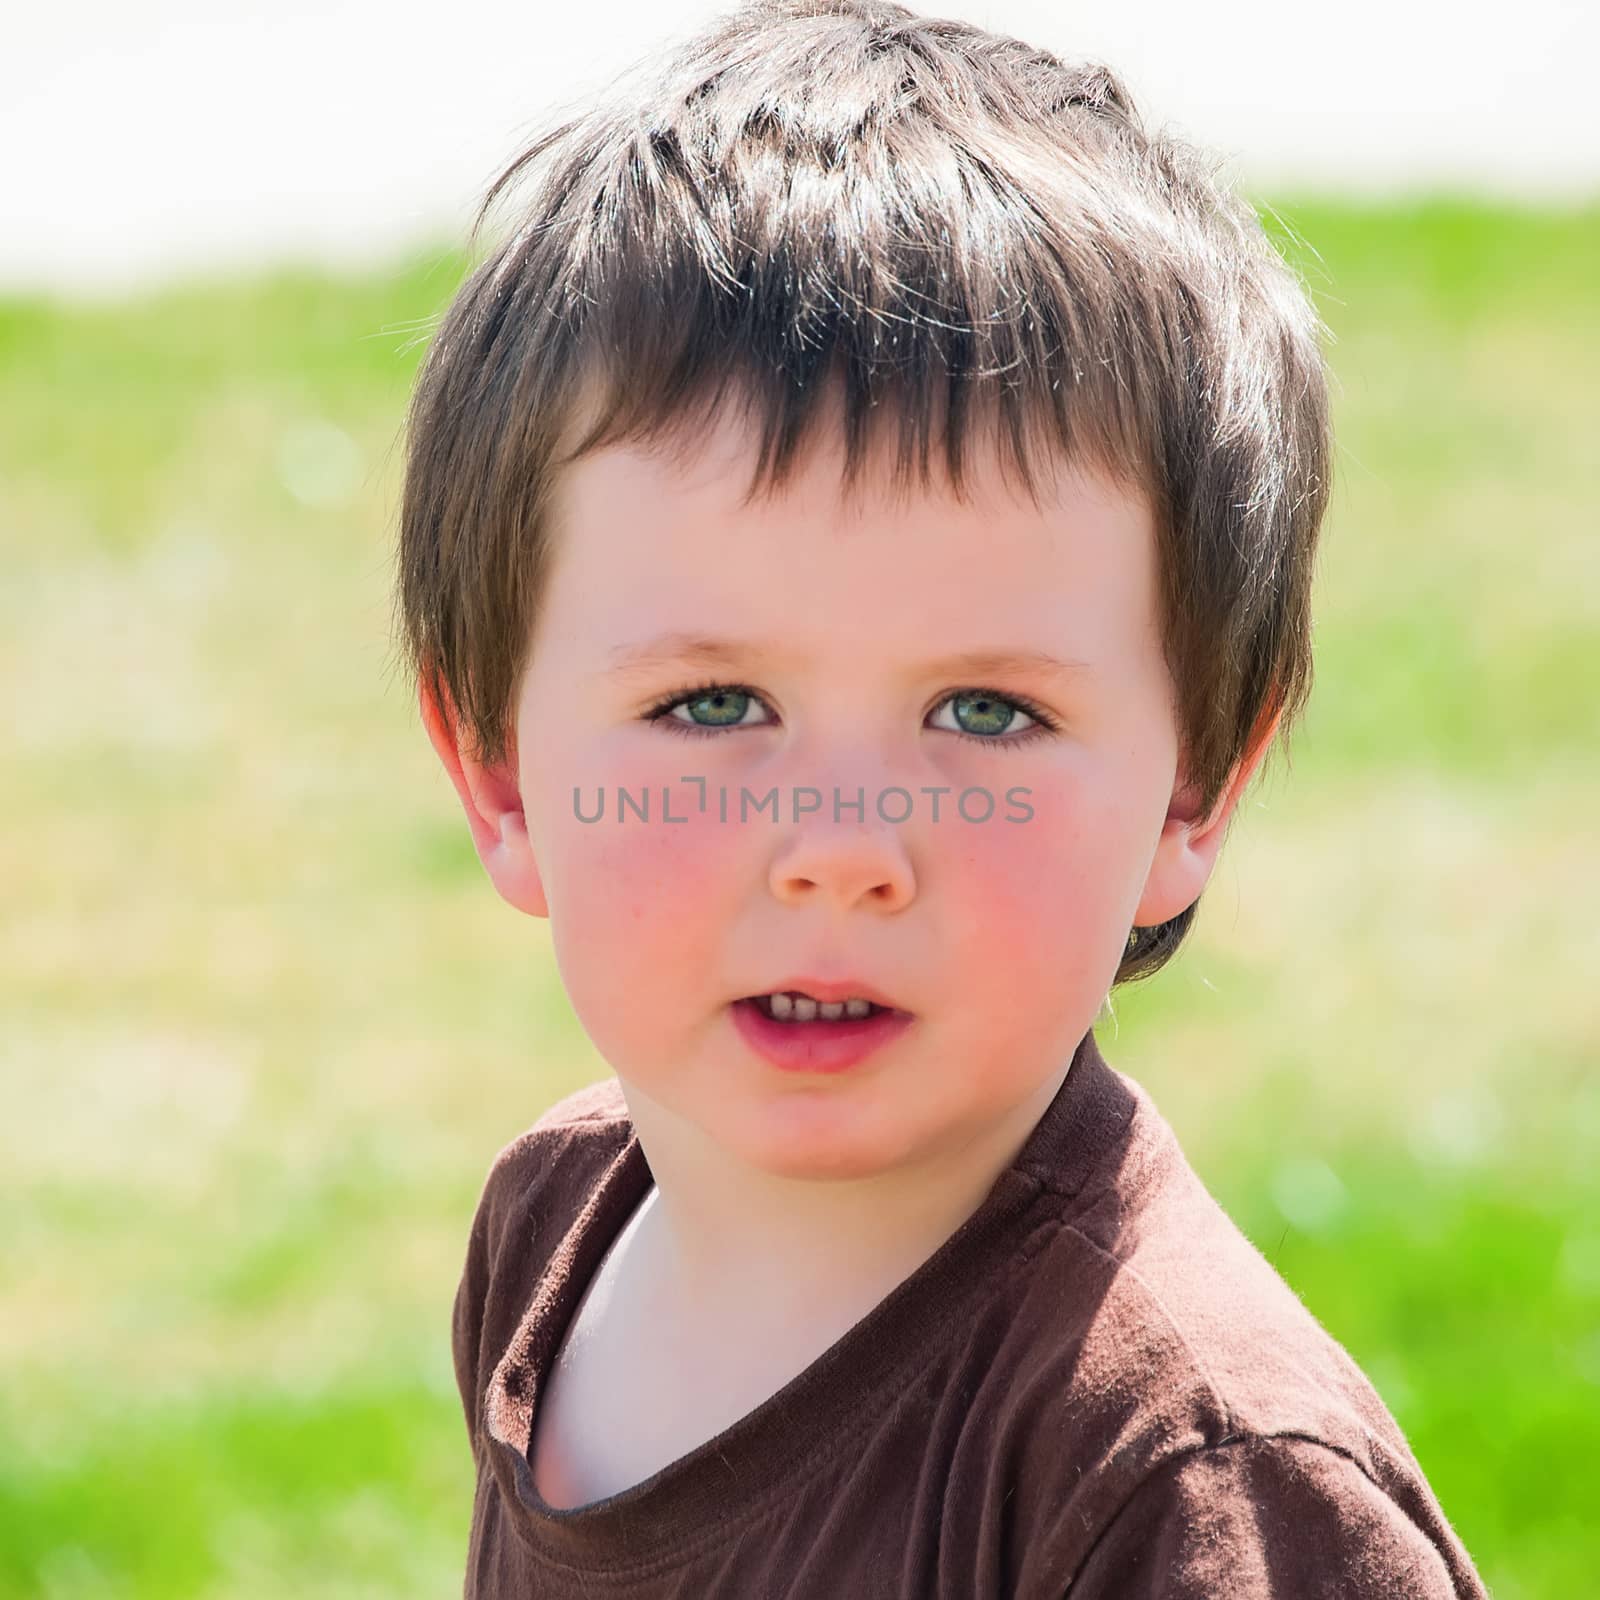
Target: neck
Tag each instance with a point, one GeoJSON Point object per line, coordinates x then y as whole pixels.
{"type": "Point", "coordinates": [757, 1250]}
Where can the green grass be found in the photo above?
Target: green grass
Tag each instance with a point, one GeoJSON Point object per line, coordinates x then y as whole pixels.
{"type": "Point", "coordinates": [266, 1021]}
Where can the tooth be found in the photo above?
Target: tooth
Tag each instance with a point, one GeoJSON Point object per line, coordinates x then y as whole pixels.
{"type": "Point", "coordinates": [832, 1009]}
{"type": "Point", "coordinates": [805, 1008]}
{"type": "Point", "coordinates": [782, 1005]}
{"type": "Point", "coordinates": [858, 1008]}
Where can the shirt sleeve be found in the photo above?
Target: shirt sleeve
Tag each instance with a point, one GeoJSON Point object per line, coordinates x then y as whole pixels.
{"type": "Point", "coordinates": [1262, 1518]}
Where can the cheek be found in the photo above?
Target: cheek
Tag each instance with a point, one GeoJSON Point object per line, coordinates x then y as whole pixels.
{"type": "Point", "coordinates": [636, 904]}
{"type": "Point", "coordinates": [1041, 901]}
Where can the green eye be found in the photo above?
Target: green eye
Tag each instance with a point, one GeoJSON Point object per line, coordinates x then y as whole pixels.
{"type": "Point", "coordinates": [711, 707]}
{"type": "Point", "coordinates": [723, 707]}
{"type": "Point", "coordinates": [981, 713]}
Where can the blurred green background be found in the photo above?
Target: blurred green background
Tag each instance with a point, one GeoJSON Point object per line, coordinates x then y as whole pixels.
{"type": "Point", "coordinates": [264, 1023]}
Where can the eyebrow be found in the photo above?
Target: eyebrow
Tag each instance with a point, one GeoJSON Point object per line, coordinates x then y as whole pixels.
{"type": "Point", "coordinates": [698, 649]}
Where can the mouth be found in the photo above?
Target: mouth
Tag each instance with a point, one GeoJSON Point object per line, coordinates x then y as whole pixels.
{"type": "Point", "coordinates": [817, 1036]}
{"type": "Point", "coordinates": [799, 1008]}
{"type": "Point", "coordinates": [805, 997]}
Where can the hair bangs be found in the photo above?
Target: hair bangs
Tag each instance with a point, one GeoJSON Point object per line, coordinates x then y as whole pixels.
{"type": "Point", "coordinates": [775, 257]}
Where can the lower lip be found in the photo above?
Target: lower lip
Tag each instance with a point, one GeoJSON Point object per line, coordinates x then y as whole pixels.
{"type": "Point", "coordinates": [817, 1046]}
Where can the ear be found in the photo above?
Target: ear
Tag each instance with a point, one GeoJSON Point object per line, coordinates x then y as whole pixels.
{"type": "Point", "coordinates": [492, 799]}
{"type": "Point", "coordinates": [1190, 843]}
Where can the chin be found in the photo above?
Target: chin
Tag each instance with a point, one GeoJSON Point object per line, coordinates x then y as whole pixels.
{"type": "Point", "coordinates": [809, 1140]}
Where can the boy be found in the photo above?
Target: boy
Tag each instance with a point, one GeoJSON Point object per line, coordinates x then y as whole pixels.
{"type": "Point", "coordinates": [856, 551]}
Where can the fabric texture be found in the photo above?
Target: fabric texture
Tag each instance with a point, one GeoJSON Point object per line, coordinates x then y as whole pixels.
{"type": "Point", "coordinates": [1096, 1387]}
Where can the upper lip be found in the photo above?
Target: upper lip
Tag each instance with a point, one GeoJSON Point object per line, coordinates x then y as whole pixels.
{"type": "Point", "coordinates": [826, 989]}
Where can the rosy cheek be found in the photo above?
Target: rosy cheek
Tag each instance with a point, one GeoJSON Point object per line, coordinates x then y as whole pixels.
{"type": "Point", "coordinates": [1032, 896]}
{"type": "Point", "coordinates": [663, 869]}
{"type": "Point", "coordinates": [638, 899]}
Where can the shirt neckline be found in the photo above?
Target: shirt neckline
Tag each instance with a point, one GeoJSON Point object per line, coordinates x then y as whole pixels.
{"type": "Point", "coordinates": [682, 1506]}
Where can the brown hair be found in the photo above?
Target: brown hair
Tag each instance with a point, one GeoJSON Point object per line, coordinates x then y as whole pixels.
{"type": "Point", "coordinates": [817, 196]}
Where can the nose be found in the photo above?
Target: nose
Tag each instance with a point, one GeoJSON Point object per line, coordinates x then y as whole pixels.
{"type": "Point", "coordinates": [847, 844]}
{"type": "Point", "coordinates": [862, 865]}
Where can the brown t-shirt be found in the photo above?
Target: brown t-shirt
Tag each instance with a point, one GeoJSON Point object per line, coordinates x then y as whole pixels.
{"type": "Point", "coordinates": [1095, 1387]}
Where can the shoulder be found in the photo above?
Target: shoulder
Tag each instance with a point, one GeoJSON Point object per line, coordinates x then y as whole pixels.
{"type": "Point", "coordinates": [1203, 1386]}
{"type": "Point", "coordinates": [1185, 1321]}
{"type": "Point", "coordinates": [1257, 1516]}
{"type": "Point", "coordinates": [536, 1185]}
{"type": "Point", "coordinates": [561, 1154]}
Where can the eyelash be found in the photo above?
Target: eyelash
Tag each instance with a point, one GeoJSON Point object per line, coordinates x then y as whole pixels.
{"type": "Point", "coordinates": [1045, 724]}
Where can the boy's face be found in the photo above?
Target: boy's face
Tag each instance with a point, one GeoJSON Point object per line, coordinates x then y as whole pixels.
{"type": "Point", "coordinates": [1000, 936]}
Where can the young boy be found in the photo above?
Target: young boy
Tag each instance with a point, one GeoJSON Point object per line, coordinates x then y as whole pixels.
{"type": "Point", "coordinates": [856, 551]}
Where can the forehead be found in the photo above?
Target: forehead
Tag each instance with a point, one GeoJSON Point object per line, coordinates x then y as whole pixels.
{"type": "Point", "coordinates": [660, 535]}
